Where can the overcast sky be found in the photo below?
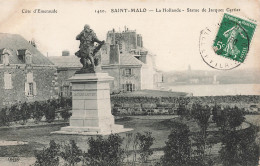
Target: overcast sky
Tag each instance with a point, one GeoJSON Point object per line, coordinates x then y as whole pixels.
{"type": "Point", "coordinates": [173, 37]}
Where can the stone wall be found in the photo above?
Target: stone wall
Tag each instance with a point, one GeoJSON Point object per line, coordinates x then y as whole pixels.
{"type": "Point", "coordinates": [120, 78]}
{"type": "Point", "coordinates": [43, 77]}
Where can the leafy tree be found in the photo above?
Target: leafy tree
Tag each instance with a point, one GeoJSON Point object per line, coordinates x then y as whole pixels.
{"type": "Point", "coordinates": [249, 150]}
{"type": "Point", "coordinates": [235, 117]}
{"type": "Point", "coordinates": [220, 118]}
{"type": "Point", "coordinates": [105, 152]}
{"type": "Point", "coordinates": [145, 142]}
{"type": "Point", "coordinates": [71, 153]}
{"type": "Point", "coordinates": [239, 147]}
{"type": "Point", "coordinates": [48, 156]}
{"type": "Point", "coordinates": [182, 111]}
{"type": "Point", "coordinates": [228, 118]}
{"type": "Point", "coordinates": [202, 114]}
{"type": "Point", "coordinates": [178, 147]}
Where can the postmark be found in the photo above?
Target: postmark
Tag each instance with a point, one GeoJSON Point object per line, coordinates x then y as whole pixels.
{"type": "Point", "coordinates": [228, 48]}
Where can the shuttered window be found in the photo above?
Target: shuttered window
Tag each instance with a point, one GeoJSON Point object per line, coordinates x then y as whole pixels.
{"type": "Point", "coordinates": [8, 81]}
{"type": "Point", "coordinates": [128, 72]}
{"type": "Point", "coordinates": [30, 86]}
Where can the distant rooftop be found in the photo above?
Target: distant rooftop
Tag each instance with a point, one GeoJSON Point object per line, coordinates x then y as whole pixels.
{"type": "Point", "coordinates": [14, 42]}
{"type": "Point", "coordinates": [73, 62]}
{"type": "Point", "coordinates": [125, 59]}
{"type": "Point", "coordinates": [66, 61]}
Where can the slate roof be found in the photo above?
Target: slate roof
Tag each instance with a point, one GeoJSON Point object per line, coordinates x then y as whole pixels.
{"type": "Point", "coordinates": [125, 59]}
{"type": "Point", "coordinates": [72, 61]}
{"type": "Point", "coordinates": [66, 61]}
{"type": "Point", "coordinates": [14, 42]}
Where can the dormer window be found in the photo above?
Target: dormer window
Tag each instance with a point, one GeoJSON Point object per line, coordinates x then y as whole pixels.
{"type": "Point", "coordinates": [4, 56]}
{"type": "Point", "coordinates": [25, 56]}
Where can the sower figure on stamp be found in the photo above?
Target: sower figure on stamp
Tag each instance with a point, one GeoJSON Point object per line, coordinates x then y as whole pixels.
{"type": "Point", "coordinates": [232, 35]}
{"type": "Point", "coordinates": [87, 49]}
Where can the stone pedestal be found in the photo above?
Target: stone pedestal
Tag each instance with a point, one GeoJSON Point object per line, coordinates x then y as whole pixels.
{"type": "Point", "coordinates": [91, 108]}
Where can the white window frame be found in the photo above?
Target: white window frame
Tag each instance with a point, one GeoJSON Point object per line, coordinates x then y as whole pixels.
{"type": "Point", "coordinates": [30, 85]}
{"type": "Point", "coordinates": [128, 71]}
{"type": "Point", "coordinates": [8, 84]}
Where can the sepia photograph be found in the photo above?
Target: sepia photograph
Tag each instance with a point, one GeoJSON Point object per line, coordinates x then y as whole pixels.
{"type": "Point", "coordinates": [129, 83]}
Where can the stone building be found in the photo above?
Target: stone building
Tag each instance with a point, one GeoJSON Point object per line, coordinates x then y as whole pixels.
{"type": "Point", "coordinates": [125, 57]}
{"type": "Point", "coordinates": [122, 57]}
{"type": "Point", "coordinates": [66, 67]}
{"type": "Point", "coordinates": [25, 73]}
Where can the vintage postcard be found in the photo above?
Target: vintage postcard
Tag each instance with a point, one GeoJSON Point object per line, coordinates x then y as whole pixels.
{"type": "Point", "coordinates": [135, 82]}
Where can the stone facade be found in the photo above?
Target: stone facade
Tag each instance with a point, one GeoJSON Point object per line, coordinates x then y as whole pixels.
{"type": "Point", "coordinates": [43, 81]}
{"type": "Point", "coordinates": [25, 74]}
{"type": "Point", "coordinates": [123, 81]}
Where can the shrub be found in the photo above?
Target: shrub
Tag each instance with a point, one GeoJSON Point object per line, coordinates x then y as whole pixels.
{"type": "Point", "coordinates": [37, 111]}
{"type": "Point", "coordinates": [71, 153]}
{"type": "Point", "coordinates": [25, 113]}
{"type": "Point", "coordinates": [14, 113]}
{"type": "Point", "coordinates": [49, 111]}
{"type": "Point", "coordinates": [145, 142]}
{"type": "Point", "coordinates": [65, 113]}
{"type": "Point", "coordinates": [105, 152]}
{"type": "Point", "coordinates": [48, 156]}
{"type": "Point", "coordinates": [178, 147]}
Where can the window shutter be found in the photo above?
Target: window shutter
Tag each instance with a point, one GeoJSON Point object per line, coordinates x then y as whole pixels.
{"type": "Point", "coordinates": [123, 87]}
{"type": "Point", "coordinates": [131, 71]}
{"type": "Point", "coordinates": [26, 88]}
{"type": "Point", "coordinates": [8, 81]}
{"type": "Point", "coordinates": [133, 87]}
{"type": "Point", "coordinates": [5, 80]}
{"type": "Point", "coordinates": [30, 77]}
{"type": "Point", "coordinates": [34, 89]}
{"type": "Point", "coordinates": [123, 73]}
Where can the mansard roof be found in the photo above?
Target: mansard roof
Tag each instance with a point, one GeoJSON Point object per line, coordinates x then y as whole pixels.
{"type": "Point", "coordinates": [15, 42]}
{"type": "Point", "coordinates": [125, 59]}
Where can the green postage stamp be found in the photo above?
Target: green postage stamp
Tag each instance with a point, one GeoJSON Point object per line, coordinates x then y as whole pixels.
{"type": "Point", "coordinates": [234, 37]}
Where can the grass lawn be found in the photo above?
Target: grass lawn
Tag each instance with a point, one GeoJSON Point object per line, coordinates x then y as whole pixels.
{"type": "Point", "coordinates": [39, 137]}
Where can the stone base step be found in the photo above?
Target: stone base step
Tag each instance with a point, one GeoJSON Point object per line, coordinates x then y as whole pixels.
{"type": "Point", "coordinates": [70, 130]}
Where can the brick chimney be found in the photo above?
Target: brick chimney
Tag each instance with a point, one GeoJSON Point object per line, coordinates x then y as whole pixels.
{"type": "Point", "coordinates": [114, 55]}
{"type": "Point", "coordinates": [65, 53]}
